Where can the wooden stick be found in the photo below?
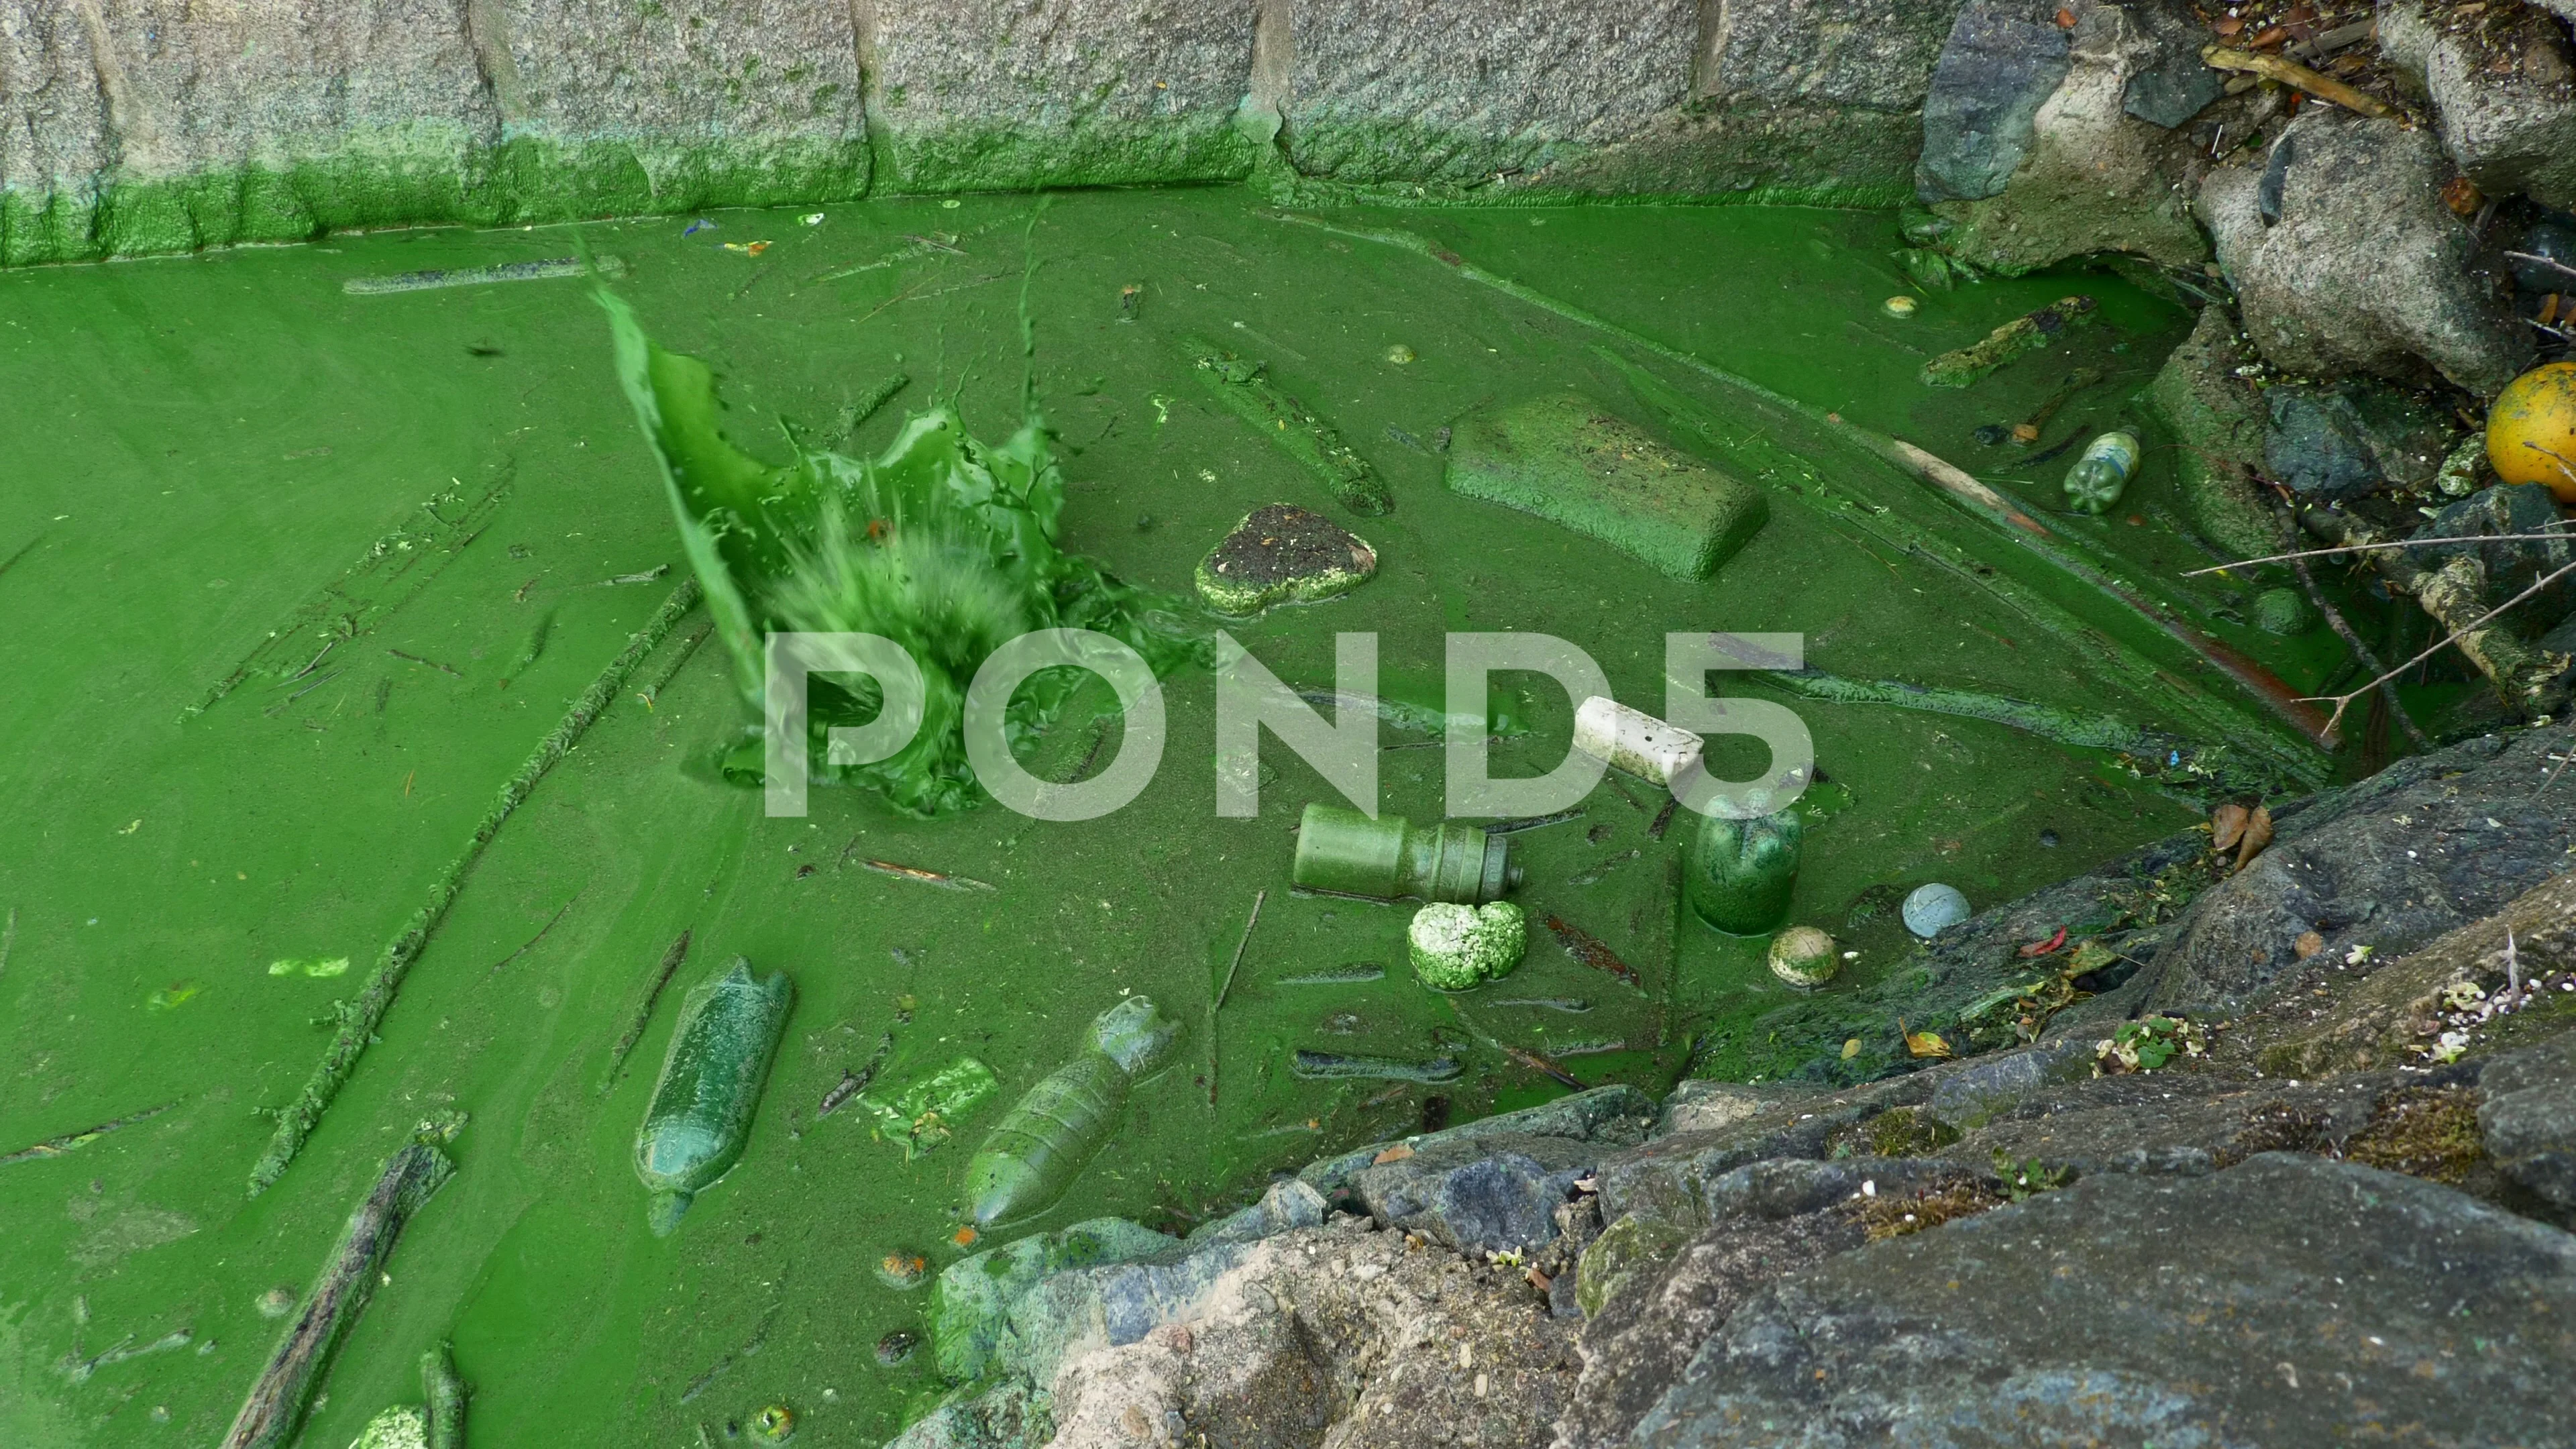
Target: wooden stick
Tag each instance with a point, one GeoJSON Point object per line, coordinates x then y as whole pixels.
{"type": "Point", "coordinates": [2460, 634]}
{"type": "Point", "coordinates": [270, 1416]}
{"type": "Point", "coordinates": [2291, 73]}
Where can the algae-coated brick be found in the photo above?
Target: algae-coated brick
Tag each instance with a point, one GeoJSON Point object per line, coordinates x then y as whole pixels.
{"type": "Point", "coordinates": [1571, 461]}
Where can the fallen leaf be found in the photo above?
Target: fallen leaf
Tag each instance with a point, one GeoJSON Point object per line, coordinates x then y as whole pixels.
{"type": "Point", "coordinates": [1851, 1048]}
{"type": "Point", "coordinates": [1927, 1044]}
{"type": "Point", "coordinates": [2258, 833]}
{"type": "Point", "coordinates": [2308, 944]}
{"type": "Point", "coordinates": [2042, 948]}
{"type": "Point", "coordinates": [1397, 1153]}
{"type": "Point", "coordinates": [2226, 826]}
{"type": "Point", "coordinates": [965, 1237]}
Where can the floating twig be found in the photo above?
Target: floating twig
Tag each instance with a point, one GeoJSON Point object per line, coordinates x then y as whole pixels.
{"type": "Point", "coordinates": [1592, 951]}
{"type": "Point", "coordinates": [1533, 822]}
{"type": "Point", "coordinates": [57, 1146]}
{"type": "Point", "coordinates": [2343, 630]}
{"type": "Point", "coordinates": [671, 960]}
{"type": "Point", "coordinates": [360, 1017]}
{"type": "Point", "coordinates": [78, 1370]}
{"type": "Point", "coordinates": [416, 659]}
{"type": "Point", "coordinates": [1225, 988]}
{"type": "Point", "coordinates": [679, 657]}
{"type": "Point", "coordinates": [8, 938]}
{"type": "Point", "coordinates": [536, 645]}
{"type": "Point", "coordinates": [390, 572]}
{"type": "Point", "coordinates": [926, 877]}
{"type": "Point", "coordinates": [646, 577]}
{"type": "Point", "coordinates": [1663, 818]}
{"type": "Point", "coordinates": [2344, 701]}
{"type": "Point", "coordinates": [25, 549]}
{"type": "Point", "coordinates": [853, 1083]}
{"type": "Point", "coordinates": [2559, 535]}
{"type": "Point", "coordinates": [270, 1416]}
{"type": "Point", "coordinates": [539, 936]}
{"type": "Point", "coordinates": [1344, 976]}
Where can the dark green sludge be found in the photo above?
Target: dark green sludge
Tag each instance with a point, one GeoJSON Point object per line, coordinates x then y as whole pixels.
{"type": "Point", "coordinates": [710, 1085]}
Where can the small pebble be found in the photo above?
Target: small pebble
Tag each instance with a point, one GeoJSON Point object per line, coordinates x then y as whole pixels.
{"type": "Point", "coordinates": [1898, 306]}
{"type": "Point", "coordinates": [2048, 837]}
{"type": "Point", "coordinates": [1399, 354]}
{"type": "Point", "coordinates": [897, 1346]}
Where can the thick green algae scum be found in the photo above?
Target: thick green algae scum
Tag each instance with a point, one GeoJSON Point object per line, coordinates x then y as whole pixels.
{"type": "Point", "coordinates": [202, 445]}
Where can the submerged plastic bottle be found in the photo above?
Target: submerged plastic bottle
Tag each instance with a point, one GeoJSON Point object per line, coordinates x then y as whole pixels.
{"type": "Point", "coordinates": [2102, 473]}
{"type": "Point", "coordinates": [1738, 873]}
{"type": "Point", "coordinates": [1042, 1144]}
{"type": "Point", "coordinates": [710, 1084]}
{"type": "Point", "coordinates": [1343, 850]}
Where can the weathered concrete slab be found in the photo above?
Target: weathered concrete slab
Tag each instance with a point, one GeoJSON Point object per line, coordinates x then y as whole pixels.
{"type": "Point", "coordinates": [980, 95]}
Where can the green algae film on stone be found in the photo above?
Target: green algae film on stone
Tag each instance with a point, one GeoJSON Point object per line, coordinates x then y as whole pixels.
{"type": "Point", "coordinates": [1570, 461]}
{"type": "Point", "coordinates": [1055, 1129]}
{"type": "Point", "coordinates": [710, 1086]}
{"type": "Point", "coordinates": [942, 543]}
{"type": "Point", "coordinates": [1279, 554]}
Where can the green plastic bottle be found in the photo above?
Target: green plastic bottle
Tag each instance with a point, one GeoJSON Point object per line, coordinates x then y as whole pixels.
{"type": "Point", "coordinates": [702, 1106]}
{"type": "Point", "coordinates": [1055, 1130]}
{"type": "Point", "coordinates": [1738, 873]}
{"type": "Point", "coordinates": [1389, 857]}
{"type": "Point", "coordinates": [2102, 474]}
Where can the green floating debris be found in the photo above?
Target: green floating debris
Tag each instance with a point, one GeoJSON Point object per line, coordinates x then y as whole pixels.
{"type": "Point", "coordinates": [2026, 333]}
{"type": "Point", "coordinates": [1571, 461]}
{"type": "Point", "coordinates": [1247, 392]}
{"type": "Point", "coordinates": [702, 1106]}
{"type": "Point", "coordinates": [446, 1395]}
{"type": "Point", "coordinates": [1342, 976]}
{"type": "Point", "coordinates": [1421, 708]}
{"type": "Point", "coordinates": [1282, 554]}
{"type": "Point", "coordinates": [403, 1426]}
{"type": "Point", "coordinates": [1458, 948]}
{"type": "Point", "coordinates": [434, 278]}
{"type": "Point", "coordinates": [943, 544]}
{"type": "Point", "coordinates": [1047, 1137]}
{"type": "Point", "coordinates": [1335, 1067]}
{"type": "Point", "coordinates": [923, 1116]}
{"type": "Point", "coordinates": [309, 966]}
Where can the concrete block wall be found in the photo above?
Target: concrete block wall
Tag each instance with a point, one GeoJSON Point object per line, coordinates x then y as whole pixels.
{"type": "Point", "coordinates": [135, 126]}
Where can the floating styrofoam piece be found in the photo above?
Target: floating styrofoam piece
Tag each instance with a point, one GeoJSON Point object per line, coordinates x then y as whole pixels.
{"type": "Point", "coordinates": [1634, 741]}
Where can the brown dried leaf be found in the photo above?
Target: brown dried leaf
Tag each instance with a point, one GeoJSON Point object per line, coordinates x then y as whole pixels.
{"type": "Point", "coordinates": [2308, 944]}
{"type": "Point", "coordinates": [1397, 1153]}
{"type": "Point", "coordinates": [2258, 833]}
{"type": "Point", "coordinates": [1927, 1044]}
{"type": "Point", "coordinates": [2226, 826]}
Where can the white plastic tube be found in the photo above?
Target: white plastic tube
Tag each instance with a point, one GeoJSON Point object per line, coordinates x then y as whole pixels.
{"type": "Point", "coordinates": [1639, 743]}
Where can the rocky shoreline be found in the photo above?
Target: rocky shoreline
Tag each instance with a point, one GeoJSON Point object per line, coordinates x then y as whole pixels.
{"type": "Point", "coordinates": [2336, 1205]}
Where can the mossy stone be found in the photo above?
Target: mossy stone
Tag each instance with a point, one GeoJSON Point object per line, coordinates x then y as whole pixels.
{"type": "Point", "coordinates": [1572, 461]}
{"type": "Point", "coordinates": [2283, 611]}
{"type": "Point", "coordinates": [1283, 554]}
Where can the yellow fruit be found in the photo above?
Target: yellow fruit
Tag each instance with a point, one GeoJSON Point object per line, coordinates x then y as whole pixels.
{"type": "Point", "coordinates": [2531, 430]}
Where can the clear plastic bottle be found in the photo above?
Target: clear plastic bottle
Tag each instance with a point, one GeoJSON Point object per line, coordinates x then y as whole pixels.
{"type": "Point", "coordinates": [2098, 478]}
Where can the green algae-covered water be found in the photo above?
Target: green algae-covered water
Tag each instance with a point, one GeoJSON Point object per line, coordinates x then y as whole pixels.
{"type": "Point", "coordinates": [229, 458]}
